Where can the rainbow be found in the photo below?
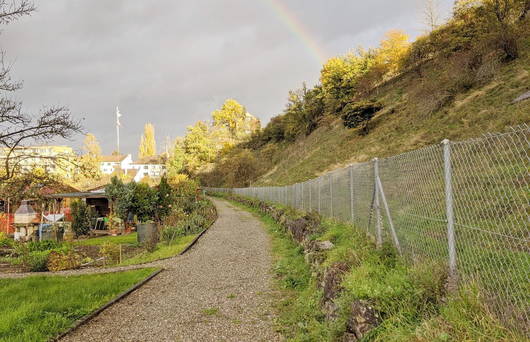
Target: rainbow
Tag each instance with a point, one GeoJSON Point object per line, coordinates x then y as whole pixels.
{"type": "Point", "coordinates": [298, 29]}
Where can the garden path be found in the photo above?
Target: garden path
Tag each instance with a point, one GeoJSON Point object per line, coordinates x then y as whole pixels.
{"type": "Point", "coordinates": [218, 291]}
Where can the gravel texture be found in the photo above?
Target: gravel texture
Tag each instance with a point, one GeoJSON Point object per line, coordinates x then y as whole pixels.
{"type": "Point", "coordinates": [218, 291]}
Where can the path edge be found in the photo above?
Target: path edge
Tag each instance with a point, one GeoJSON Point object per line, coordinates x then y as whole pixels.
{"type": "Point", "coordinates": [193, 242]}
{"type": "Point", "coordinates": [85, 319]}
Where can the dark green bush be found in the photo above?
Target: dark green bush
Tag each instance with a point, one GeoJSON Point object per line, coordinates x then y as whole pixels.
{"type": "Point", "coordinates": [143, 203]}
{"type": "Point", "coordinates": [354, 114]}
{"type": "Point", "coordinates": [82, 216]}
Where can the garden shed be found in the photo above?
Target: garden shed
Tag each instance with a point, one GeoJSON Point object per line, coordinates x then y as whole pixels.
{"type": "Point", "coordinates": [96, 199]}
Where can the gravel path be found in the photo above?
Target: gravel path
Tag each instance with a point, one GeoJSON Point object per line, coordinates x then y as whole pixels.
{"type": "Point", "coordinates": [218, 291]}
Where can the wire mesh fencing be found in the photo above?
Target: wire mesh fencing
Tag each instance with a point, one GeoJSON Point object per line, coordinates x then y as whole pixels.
{"type": "Point", "coordinates": [464, 204]}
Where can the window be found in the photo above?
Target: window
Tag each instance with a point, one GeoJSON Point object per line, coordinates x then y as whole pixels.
{"type": "Point", "coordinates": [145, 167]}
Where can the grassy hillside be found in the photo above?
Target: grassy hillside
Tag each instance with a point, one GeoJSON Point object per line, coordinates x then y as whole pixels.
{"type": "Point", "coordinates": [406, 122]}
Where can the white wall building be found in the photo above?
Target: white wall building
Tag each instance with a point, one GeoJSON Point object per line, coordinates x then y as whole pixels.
{"type": "Point", "coordinates": [109, 164]}
{"type": "Point", "coordinates": [153, 167]}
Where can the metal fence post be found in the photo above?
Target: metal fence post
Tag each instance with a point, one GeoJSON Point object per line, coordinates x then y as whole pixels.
{"type": "Point", "coordinates": [450, 212]}
{"type": "Point", "coordinates": [390, 221]}
{"type": "Point", "coordinates": [319, 191]}
{"type": "Point", "coordinates": [330, 195]}
{"type": "Point", "coordinates": [303, 207]}
{"type": "Point", "coordinates": [378, 223]}
{"type": "Point", "coordinates": [310, 203]}
{"type": "Point", "coordinates": [351, 194]}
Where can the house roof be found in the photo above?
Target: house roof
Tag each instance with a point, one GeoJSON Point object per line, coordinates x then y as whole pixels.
{"type": "Point", "coordinates": [78, 195]}
{"type": "Point", "coordinates": [132, 172]}
{"type": "Point", "coordinates": [113, 158]}
{"type": "Point", "coordinates": [150, 160]}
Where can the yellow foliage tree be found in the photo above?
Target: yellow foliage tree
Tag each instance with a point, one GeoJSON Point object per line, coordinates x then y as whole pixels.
{"type": "Point", "coordinates": [147, 142]}
{"type": "Point", "coordinates": [90, 160]}
{"type": "Point", "coordinates": [391, 52]}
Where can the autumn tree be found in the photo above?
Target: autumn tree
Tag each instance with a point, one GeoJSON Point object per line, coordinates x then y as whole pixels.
{"type": "Point", "coordinates": [198, 146]}
{"type": "Point", "coordinates": [234, 119]}
{"type": "Point", "coordinates": [304, 108]}
{"type": "Point", "coordinates": [339, 78]}
{"type": "Point", "coordinates": [176, 161]}
{"type": "Point", "coordinates": [231, 115]}
{"type": "Point", "coordinates": [391, 52]}
{"type": "Point", "coordinates": [92, 156]}
{"type": "Point", "coordinates": [147, 142]}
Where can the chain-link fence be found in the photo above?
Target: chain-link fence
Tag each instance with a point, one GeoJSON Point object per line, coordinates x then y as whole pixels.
{"type": "Point", "coordinates": [466, 204]}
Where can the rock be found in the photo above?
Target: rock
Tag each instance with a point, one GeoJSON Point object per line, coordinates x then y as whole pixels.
{"type": "Point", "coordinates": [349, 337]}
{"type": "Point", "coordinates": [331, 280]}
{"type": "Point", "coordinates": [300, 229]}
{"type": "Point", "coordinates": [523, 97]}
{"type": "Point", "coordinates": [314, 259]}
{"type": "Point", "coordinates": [324, 245]}
{"type": "Point", "coordinates": [331, 310]}
{"type": "Point", "coordinates": [363, 318]}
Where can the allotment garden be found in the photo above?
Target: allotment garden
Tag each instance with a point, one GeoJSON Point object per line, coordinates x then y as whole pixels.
{"type": "Point", "coordinates": [143, 224]}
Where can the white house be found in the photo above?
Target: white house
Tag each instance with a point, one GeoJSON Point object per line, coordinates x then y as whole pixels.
{"type": "Point", "coordinates": [109, 164]}
{"type": "Point", "coordinates": [153, 167]}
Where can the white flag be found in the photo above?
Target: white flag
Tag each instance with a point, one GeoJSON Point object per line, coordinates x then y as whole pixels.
{"type": "Point", "coordinates": [118, 115]}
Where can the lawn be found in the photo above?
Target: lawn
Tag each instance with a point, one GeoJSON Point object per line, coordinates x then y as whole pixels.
{"type": "Point", "coordinates": [39, 308]}
{"type": "Point", "coordinates": [120, 239]}
{"type": "Point", "coordinates": [163, 251]}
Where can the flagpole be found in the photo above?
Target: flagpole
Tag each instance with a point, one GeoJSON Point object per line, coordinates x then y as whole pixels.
{"type": "Point", "coordinates": [118, 128]}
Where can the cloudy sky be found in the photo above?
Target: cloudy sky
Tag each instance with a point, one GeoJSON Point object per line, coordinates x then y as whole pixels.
{"type": "Point", "coordinates": [172, 62]}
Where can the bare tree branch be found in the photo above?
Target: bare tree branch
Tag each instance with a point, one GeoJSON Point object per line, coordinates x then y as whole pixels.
{"type": "Point", "coordinates": [12, 10]}
{"type": "Point", "coordinates": [19, 129]}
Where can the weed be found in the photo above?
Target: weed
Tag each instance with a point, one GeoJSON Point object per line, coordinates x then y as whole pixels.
{"type": "Point", "coordinates": [210, 311]}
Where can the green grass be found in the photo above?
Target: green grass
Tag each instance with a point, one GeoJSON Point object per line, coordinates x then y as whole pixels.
{"type": "Point", "coordinates": [130, 239]}
{"type": "Point", "coordinates": [163, 251]}
{"type": "Point", "coordinates": [39, 308]}
{"type": "Point", "coordinates": [210, 311]}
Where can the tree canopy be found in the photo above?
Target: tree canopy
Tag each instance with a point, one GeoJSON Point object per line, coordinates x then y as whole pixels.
{"type": "Point", "coordinates": [147, 142]}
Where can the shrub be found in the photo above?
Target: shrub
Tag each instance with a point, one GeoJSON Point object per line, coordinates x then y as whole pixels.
{"type": "Point", "coordinates": [82, 216]}
{"type": "Point", "coordinates": [5, 241]}
{"type": "Point", "coordinates": [143, 202]}
{"type": "Point", "coordinates": [166, 198]}
{"type": "Point", "coordinates": [354, 114]}
{"type": "Point", "coordinates": [36, 261]}
{"type": "Point", "coordinates": [171, 233]}
{"type": "Point", "coordinates": [59, 261]}
{"type": "Point", "coordinates": [111, 252]}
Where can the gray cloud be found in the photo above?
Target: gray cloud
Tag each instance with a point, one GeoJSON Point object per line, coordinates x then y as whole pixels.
{"type": "Point", "coordinates": [171, 62]}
